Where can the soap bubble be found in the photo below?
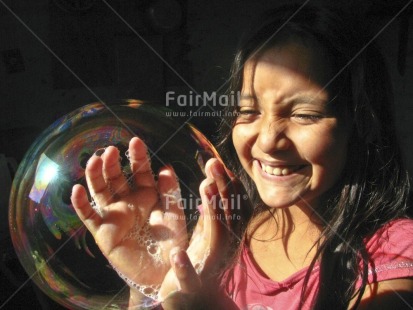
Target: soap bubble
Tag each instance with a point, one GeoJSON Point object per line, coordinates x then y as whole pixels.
{"type": "Point", "coordinates": [54, 247]}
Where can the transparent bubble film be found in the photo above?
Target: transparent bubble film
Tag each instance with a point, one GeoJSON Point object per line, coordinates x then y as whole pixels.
{"type": "Point", "coordinates": [54, 247]}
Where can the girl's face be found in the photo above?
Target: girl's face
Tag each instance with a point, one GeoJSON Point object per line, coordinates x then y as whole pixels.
{"type": "Point", "coordinates": [286, 136]}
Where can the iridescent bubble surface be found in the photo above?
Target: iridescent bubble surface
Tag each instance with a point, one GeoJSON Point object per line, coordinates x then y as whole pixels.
{"type": "Point", "coordinates": [54, 247]}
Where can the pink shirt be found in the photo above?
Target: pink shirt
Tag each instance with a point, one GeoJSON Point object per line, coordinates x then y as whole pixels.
{"type": "Point", "coordinates": [390, 250]}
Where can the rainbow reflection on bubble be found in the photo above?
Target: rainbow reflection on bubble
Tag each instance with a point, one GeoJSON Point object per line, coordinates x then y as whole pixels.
{"type": "Point", "coordinates": [51, 242]}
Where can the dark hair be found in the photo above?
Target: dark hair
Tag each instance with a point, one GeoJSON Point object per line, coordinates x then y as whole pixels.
{"type": "Point", "coordinates": [374, 186]}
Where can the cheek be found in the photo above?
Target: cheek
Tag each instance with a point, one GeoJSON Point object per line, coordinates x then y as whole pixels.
{"type": "Point", "coordinates": [327, 153]}
{"type": "Point", "coordinates": [240, 140]}
{"type": "Point", "coordinates": [319, 143]}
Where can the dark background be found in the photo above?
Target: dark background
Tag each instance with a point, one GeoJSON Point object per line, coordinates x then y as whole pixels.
{"type": "Point", "coordinates": [58, 55]}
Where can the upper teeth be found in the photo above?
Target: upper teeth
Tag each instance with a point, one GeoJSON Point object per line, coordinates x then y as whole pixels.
{"type": "Point", "coordinates": [276, 171]}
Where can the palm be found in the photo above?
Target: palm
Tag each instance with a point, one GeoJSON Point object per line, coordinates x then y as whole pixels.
{"type": "Point", "coordinates": [147, 243]}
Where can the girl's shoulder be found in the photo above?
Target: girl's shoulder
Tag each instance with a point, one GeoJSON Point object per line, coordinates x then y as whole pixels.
{"type": "Point", "coordinates": [390, 251]}
{"type": "Point", "coordinates": [394, 234]}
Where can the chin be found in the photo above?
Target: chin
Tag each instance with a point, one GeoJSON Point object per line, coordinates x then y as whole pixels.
{"type": "Point", "coordinates": [280, 202]}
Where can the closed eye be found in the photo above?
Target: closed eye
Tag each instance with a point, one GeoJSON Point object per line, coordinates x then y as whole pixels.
{"type": "Point", "coordinates": [307, 118]}
{"type": "Point", "coordinates": [247, 114]}
{"type": "Point", "coordinates": [244, 111]}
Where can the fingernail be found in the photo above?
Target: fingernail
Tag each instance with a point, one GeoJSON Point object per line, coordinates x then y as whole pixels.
{"type": "Point", "coordinates": [100, 151]}
{"type": "Point", "coordinates": [172, 170]}
{"type": "Point", "coordinates": [211, 190]}
{"type": "Point", "coordinates": [180, 259]}
{"type": "Point", "coordinates": [217, 169]}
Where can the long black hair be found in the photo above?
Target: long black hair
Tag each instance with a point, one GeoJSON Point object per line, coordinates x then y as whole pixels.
{"type": "Point", "coordinates": [374, 187]}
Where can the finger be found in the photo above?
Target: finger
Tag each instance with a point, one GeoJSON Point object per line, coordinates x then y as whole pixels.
{"type": "Point", "coordinates": [96, 183]}
{"type": "Point", "coordinates": [140, 163]}
{"type": "Point", "coordinates": [214, 231]}
{"type": "Point", "coordinates": [217, 172]}
{"type": "Point", "coordinates": [168, 194]}
{"type": "Point", "coordinates": [84, 210]}
{"type": "Point", "coordinates": [213, 159]}
{"type": "Point", "coordinates": [188, 279]}
{"type": "Point", "coordinates": [168, 187]}
{"type": "Point", "coordinates": [210, 235]}
{"type": "Point", "coordinates": [170, 213]}
{"type": "Point", "coordinates": [234, 198]}
{"type": "Point", "coordinates": [112, 172]}
{"type": "Point", "coordinates": [216, 169]}
{"type": "Point", "coordinates": [208, 171]}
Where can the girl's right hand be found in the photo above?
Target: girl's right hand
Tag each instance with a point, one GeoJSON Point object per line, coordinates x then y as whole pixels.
{"type": "Point", "coordinates": [135, 226]}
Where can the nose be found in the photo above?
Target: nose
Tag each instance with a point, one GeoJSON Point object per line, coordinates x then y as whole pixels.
{"type": "Point", "coordinates": [273, 136]}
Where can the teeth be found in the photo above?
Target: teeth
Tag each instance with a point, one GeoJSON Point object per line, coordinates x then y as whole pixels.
{"type": "Point", "coordinates": [285, 171]}
{"type": "Point", "coordinates": [278, 171]}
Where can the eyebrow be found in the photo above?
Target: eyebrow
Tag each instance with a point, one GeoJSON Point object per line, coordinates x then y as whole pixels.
{"type": "Point", "coordinates": [304, 98]}
{"type": "Point", "coordinates": [294, 99]}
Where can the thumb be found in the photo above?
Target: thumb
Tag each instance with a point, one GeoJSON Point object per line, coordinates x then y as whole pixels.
{"type": "Point", "coordinates": [188, 279]}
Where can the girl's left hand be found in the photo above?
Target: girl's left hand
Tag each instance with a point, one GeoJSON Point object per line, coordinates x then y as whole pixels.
{"type": "Point", "coordinates": [218, 234]}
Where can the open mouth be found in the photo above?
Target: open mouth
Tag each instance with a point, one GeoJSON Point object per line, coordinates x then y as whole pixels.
{"type": "Point", "coordinates": [280, 170]}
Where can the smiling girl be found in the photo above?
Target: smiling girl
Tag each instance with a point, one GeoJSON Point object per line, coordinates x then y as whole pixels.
{"type": "Point", "coordinates": [313, 142]}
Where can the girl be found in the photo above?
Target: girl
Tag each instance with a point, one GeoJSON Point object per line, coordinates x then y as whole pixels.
{"type": "Point", "coordinates": [314, 144]}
